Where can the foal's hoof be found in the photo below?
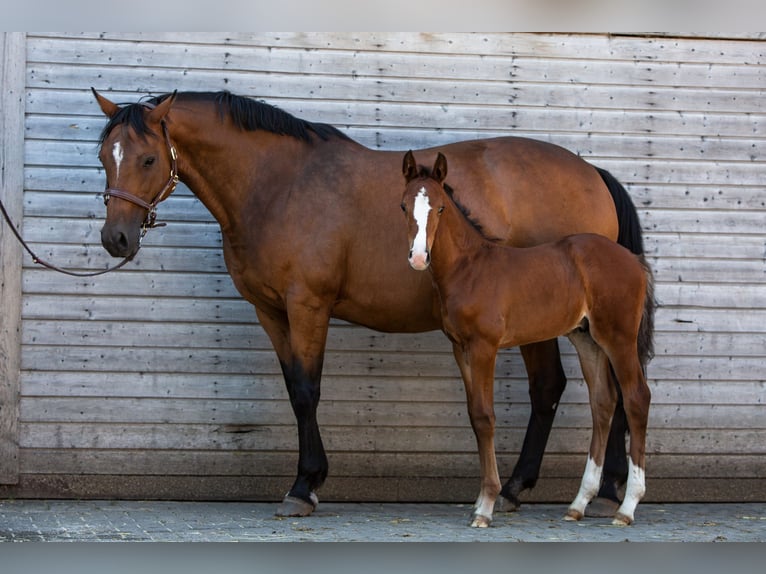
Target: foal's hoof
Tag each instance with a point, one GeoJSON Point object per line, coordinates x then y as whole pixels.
{"type": "Point", "coordinates": [480, 521]}
{"type": "Point", "coordinates": [621, 519]}
{"type": "Point", "coordinates": [601, 507]}
{"type": "Point", "coordinates": [504, 504]}
{"type": "Point", "coordinates": [573, 515]}
{"type": "Point", "coordinates": [294, 506]}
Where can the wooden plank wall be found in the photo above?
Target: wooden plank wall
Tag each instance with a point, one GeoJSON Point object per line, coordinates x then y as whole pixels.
{"type": "Point", "coordinates": [156, 381]}
{"type": "Point", "coordinates": [12, 67]}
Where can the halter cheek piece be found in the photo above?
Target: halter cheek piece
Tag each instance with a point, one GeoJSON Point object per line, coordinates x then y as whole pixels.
{"type": "Point", "coordinates": [150, 221]}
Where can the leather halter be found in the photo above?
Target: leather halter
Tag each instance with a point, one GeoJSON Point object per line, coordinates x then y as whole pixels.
{"type": "Point", "coordinates": [150, 221]}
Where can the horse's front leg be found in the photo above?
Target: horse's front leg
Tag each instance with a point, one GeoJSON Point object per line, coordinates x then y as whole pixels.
{"type": "Point", "coordinates": [546, 384]}
{"type": "Point", "coordinates": [477, 365]}
{"type": "Point", "coordinates": [299, 339]}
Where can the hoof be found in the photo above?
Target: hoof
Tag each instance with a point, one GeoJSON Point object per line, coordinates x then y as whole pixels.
{"type": "Point", "coordinates": [573, 515]}
{"type": "Point", "coordinates": [480, 521]}
{"type": "Point", "coordinates": [294, 506]}
{"type": "Point", "coordinates": [601, 508]}
{"type": "Point", "coordinates": [621, 519]}
{"type": "Point", "coordinates": [504, 504]}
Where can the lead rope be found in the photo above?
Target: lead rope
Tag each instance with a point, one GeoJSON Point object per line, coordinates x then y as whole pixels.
{"type": "Point", "coordinates": [53, 267]}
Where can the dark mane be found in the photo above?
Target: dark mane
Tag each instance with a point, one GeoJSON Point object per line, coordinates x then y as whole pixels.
{"type": "Point", "coordinates": [426, 172]}
{"type": "Point", "coordinates": [246, 113]}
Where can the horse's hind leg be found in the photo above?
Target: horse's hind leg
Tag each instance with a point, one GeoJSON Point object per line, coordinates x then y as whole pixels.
{"type": "Point", "coordinates": [477, 365]}
{"type": "Point", "coordinates": [615, 462]}
{"type": "Point", "coordinates": [602, 396]}
{"type": "Point", "coordinates": [636, 397]}
{"type": "Point", "coordinates": [546, 384]}
{"type": "Point", "coordinates": [299, 343]}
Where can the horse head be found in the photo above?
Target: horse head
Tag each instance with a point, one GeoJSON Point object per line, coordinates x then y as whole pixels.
{"type": "Point", "coordinates": [422, 203]}
{"type": "Point", "coordinates": [137, 156]}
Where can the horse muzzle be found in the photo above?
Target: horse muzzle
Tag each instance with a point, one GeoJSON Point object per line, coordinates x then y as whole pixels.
{"type": "Point", "coordinates": [419, 261]}
{"type": "Point", "coordinates": [121, 241]}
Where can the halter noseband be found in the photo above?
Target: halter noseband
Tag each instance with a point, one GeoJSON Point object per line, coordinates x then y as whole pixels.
{"type": "Point", "coordinates": [150, 221]}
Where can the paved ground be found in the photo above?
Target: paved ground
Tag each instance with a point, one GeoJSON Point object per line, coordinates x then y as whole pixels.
{"type": "Point", "coordinates": [96, 521]}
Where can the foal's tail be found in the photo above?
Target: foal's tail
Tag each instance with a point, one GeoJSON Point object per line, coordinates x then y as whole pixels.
{"type": "Point", "coordinates": [629, 236]}
{"type": "Point", "coordinates": [646, 328]}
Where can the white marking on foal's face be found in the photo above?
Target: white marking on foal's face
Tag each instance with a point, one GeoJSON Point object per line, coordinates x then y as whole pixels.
{"type": "Point", "coordinates": [117, 154]}
{"type": "Point", "coordinates": [420, 212]}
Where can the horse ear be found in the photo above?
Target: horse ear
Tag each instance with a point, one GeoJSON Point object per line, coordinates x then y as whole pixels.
{"type": "Point", "coordinates": [109, 108]}
{"type": "Point", "coordinates": [409, 167]}
{"type": "Point", "coordinates": [440, 168]}
{"type": "Point", "coordinates": [159, 112]}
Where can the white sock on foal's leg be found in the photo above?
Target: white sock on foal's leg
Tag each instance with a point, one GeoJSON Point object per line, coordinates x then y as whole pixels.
{"type": "Point", "coordinates": [591, 479]}
{"type": "Point", "coordinates": [634, 492]}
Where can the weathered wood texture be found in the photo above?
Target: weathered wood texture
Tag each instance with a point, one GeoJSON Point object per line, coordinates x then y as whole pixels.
{"type": "Point", "coordinates": [156, 381]}
{"type": "Point", "coordinates": [12, 82]}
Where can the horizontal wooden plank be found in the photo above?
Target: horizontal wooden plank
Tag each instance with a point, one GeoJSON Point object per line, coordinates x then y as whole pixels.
{"type": "Point", "coordinates": [453, 66]}
{"type": "Point", "coordinates": [645, 170]}
{"type": "Point", "coordinates": [219, 285]}
{"type": "Point", "coordinates": [73, 307]}
{"type": "Point", "coordinates": [338, 489]}
{"type": "Point", "coordinates": [151, 259]}
{"type": "Point", "coordinates": [346, 114]}
{"type": "Point", "coordinates": [108, 309]}
{"type": "Point", "coordinates": [360, 388]}
{"type": "Point", "coordinates": [625, 47]}
{"type": "Point", "coordinates": [359, 465]}
{"type": "Point", "coordinates": [693, 256]}
{"type": "Point", "coordinates": [701, 245]}
{"type": "Point", "coordinates": [81, 231]}
{"type": "Point", "coordinates": [710, 271]}
{"type": "Point", "coordinates": [166, 284]}
{"type": "Point", "coordinates": [710, 320]}
{"type": "Point", "coordinates": [340, 84]}
{"type": "Point", "coordinates": [508, 389]}
{"type": "Point", "coordinates": [342, 337]}
{"type": "Point", "coordinates": [592, 146]}
{"type": "Point", "coordinates": [190, 234]}
{"type": "Point", "coordinates": [340, 363]}
{"type": "Point", "coordinates": [401, 413]}
{"type": "Point", "coordinates": [367, 438]}
{"type": "Point", "coordinates": [77, 194]}
{"type": "Point", "coordinates": [179, 208]}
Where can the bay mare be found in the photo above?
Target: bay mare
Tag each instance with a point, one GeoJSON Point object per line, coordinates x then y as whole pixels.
{"type": "Point", "coordinates": [495, 296]}
{"type": "Point", "coordinates": [311, 230]}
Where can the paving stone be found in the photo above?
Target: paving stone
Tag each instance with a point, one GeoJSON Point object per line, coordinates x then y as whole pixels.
{"type": "Point", "coordinates": [109, 521]}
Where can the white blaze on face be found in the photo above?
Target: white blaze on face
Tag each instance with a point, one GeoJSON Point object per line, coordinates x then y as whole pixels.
{"type": "Point", "coordinates": [117, 155]}
{"type": "Point", "coordinates": [419, 245]}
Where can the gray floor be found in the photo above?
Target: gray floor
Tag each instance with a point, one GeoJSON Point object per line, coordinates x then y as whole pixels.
{"type": "Point", "coordinates": [96, 521]}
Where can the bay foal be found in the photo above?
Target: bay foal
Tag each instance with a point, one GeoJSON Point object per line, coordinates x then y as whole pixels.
{"type": "Point", "coordinates": [584, 286]}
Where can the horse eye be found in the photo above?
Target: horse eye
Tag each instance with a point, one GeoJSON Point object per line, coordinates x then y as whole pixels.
{"type": "Point", "coordinates": [441, 209]}
{"type": "Point", "coordinates": [149, 161]}
{"type": "Point", "coordinates": [404, 208]}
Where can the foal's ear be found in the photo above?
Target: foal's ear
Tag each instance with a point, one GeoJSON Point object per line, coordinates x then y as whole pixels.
{"type": "Point", "coordinates": [440, 168]}
{"type": "Point", "coordinates": [161, 110]}
{"type": "Point", "coordinates": [109, 108]}
{"type": "Point", "coordinates": [409, 167]}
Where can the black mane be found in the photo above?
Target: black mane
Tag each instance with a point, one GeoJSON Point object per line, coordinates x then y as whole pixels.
{"type": "Point", "coordinates": [426, 172]}
{"type": "Point", "coordinates": [246, 113]}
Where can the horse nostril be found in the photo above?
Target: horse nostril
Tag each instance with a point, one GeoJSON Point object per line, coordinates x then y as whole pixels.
{"type": "Point", "coordinates": [117, 243]}
{"type": "Point", "coordinates": [122, 241]}
{"type": "Point", "coordinates": [428, 258]}
{"type": "Point", "coordinates": [410, 255]}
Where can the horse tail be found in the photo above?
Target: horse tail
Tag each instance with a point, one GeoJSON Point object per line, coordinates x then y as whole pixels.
{"type": "Point", "coordinates": [646, 327]}
{"type": "Point", "coordinates": [629, 236]}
